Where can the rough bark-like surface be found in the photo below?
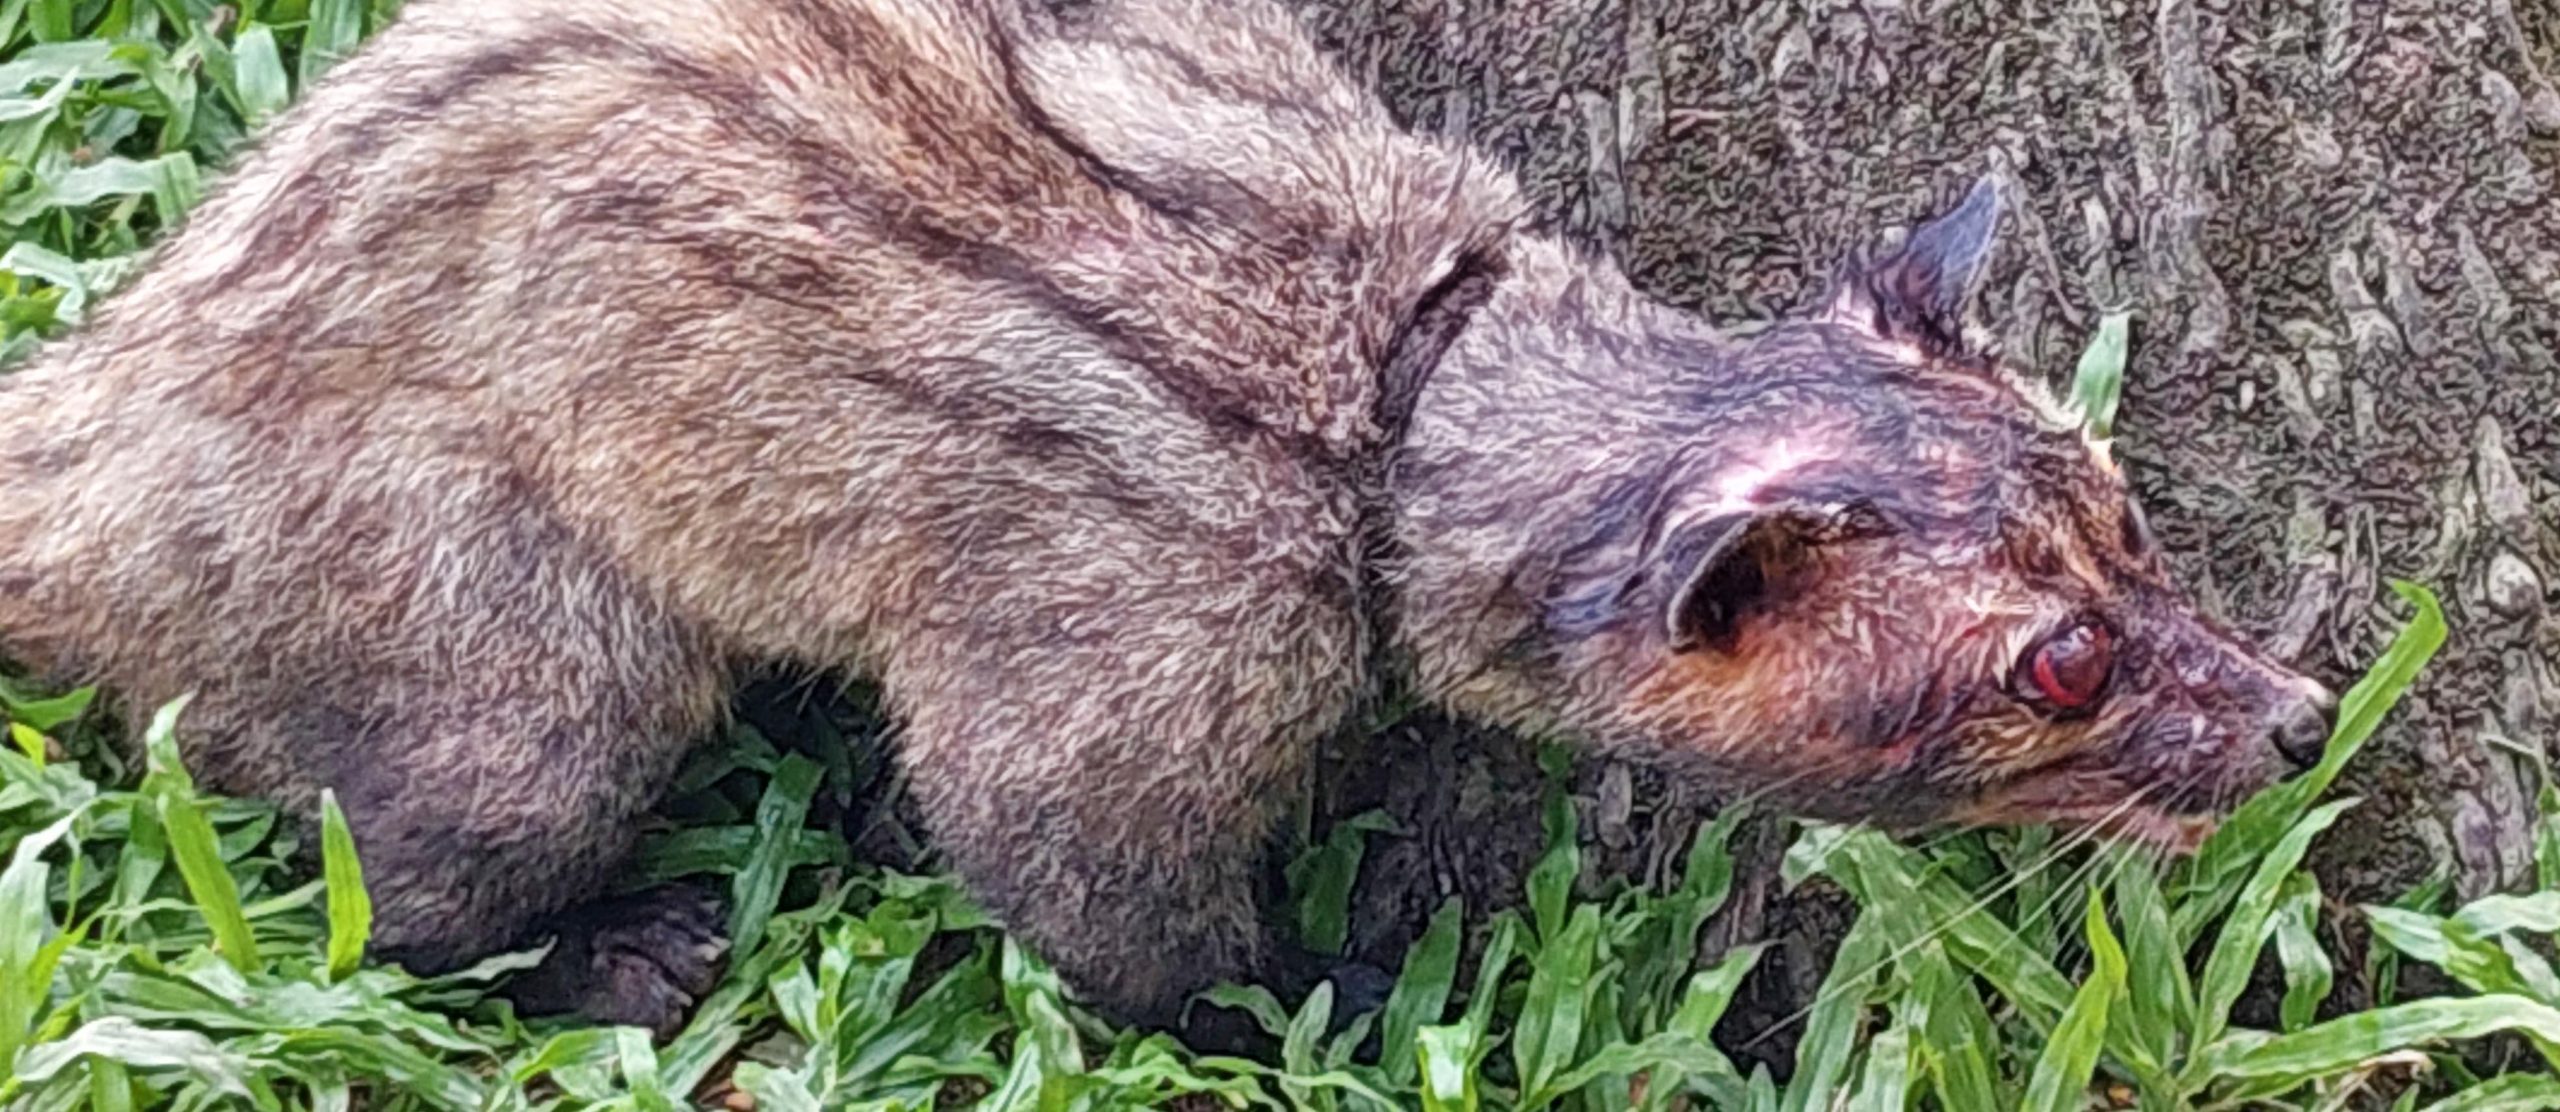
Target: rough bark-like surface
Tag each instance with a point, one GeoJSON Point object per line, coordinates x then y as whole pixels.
{"type": "Point", "coordinates": [2330, 216]}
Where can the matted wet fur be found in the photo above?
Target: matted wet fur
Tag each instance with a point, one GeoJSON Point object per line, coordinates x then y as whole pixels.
{"type": "Point", "coordinates": [1122, 390]}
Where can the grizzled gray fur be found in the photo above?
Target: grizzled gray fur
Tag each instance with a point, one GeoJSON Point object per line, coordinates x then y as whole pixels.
{"type": "Point", "coordinates": [1121, 389]}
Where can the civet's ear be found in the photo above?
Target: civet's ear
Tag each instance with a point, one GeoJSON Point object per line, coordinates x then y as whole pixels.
{"type": "Point", "coordinates": [1918, 292]}
{"type": "Point", "coordinates": [1729, 566]}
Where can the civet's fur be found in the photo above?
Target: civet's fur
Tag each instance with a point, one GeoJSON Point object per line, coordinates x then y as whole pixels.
{"type": "Point", "coordinates": [1120, 387]}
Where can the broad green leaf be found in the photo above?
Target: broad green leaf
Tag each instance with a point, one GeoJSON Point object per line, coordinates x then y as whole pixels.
{"type": "Point", "coordinates": [1706, 880]}
{"type": "Point", "coordinates": [1701, 1005]}
{"type": "Point", "coordinates": [1711, 990]}
{"type": "Point", "coordinates": [145, 857]}
{"type": "Point", "coordinates": [775, 1090]}
{"type": "Point", "coordinates": [1346, 1040]}
{"type": "Point", "coordinates": [1253, 1000]}
{"type": "Point", "coordinates": [2030, 862]}
{"type": "Point", "coordinates": [697, 850]}
{"type": "Point", "coordinates": [59, 62]}
{"type": "Point", "coordinates": [1668, 1050]}
{"type": "Point", "coordinates": [640, 1069]}
{"type": "Point", "coordinates": [1336, 1081]}
{"type": "Point", "coordinates": [948, 1021]}
{"type": "Point", "coordinates": [166, 772]}
{"type": "Point", "coordinates": [111, 1089]}
{"type": "Point", "coordinates": [170, 178]}
{"type": "Point", "coordinates": [2416, 934]}
{"type": "Point", "coordinates": [1046, 1053]}
{"type": "Point", "coordinates": [2501, 914]}
{"type": "Point", "coordinates": [51, 20]}
{"type": "Point", "coordinates": [1298, 1044]}
{"type": "Point", "coordinates": [1762, 1093]}
{"type": "Point", "coordinates": [2487, 964]}
{"type": "Point", "coordinates": [34, 260]}
{"type": "Point", "coordinates": [1889, 874]}
{"type": "Point", "coordinates": [43, 713]}
{"type": "Point", "coordinates": [1490, 967]}
{"type": "Point", "coordinates": [176, 186]}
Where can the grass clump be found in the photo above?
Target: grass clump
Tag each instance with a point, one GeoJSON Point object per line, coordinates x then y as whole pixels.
{"type": "Point", "coordinates": [159, 949]}
{"type": "Point", "coordinates": [111, 111]}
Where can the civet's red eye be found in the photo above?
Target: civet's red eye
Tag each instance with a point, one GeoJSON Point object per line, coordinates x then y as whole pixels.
{"type": "Point", "coordinates": [2069, 670]}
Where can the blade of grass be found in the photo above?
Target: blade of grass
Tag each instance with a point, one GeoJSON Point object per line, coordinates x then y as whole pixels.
{"type": "Point", "coordinates": [757, 889]}
{"type": "Point", "coordinates": [1886, 1081]}
{"type": "Point", "coordinates": [328, 36]}
{"type": "Point", "coordinates": [1550, 1030]}
{"type": "Point", "coordinates": [2307, 972]}
{"type": "Point", "coordinates": [2244, 932]}
{"type": "Point", "coordinates": [1551, 879]}
{"type": "Point", "coordinates": [350, 907]}
{"type": "Point", "coordinates": [1959, 1039]}
{"type": "Point", "coordinates": [2342, 1043]}
{"type": "Point", "coordinates": [2210, 879]}
{"type": "Point", "coordinates": [258, 67]}
{"type": "Point", "coordinates": [192, 843]}
{"type": "Point", "coordinates": [2160, 1001]}
{"type": "Point", "coordinates": [26, 929]}
{"type": "Point", "coordinates": [2514, 1092]}
{"type": "Point", "coordinates": [2098, 383]}
{"type": "Point", "coordinates": [1831, 1031]}
{"type": "Point", "coordinates": [1321, 881]}
{"type": "Point", "coordinates": [2060, 1080]}
{"type": "Point", "coordinates": [1704, 1002]}
{"type": "Point", "coordinates": [1446, 1057]}
{"type": "Point", "coordinates": [121, 1040]}
{"type": "Point", "coordinates": [1421, 991]}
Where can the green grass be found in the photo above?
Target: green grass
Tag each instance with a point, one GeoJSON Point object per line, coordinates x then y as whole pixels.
{"type": "Point", "coordinates": [157, 949]}
{"type": "Point", "coordinates": [163, 948]}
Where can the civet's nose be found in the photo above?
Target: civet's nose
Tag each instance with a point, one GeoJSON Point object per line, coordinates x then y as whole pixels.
{"type": "Point", "coordinates": [2302, 725]}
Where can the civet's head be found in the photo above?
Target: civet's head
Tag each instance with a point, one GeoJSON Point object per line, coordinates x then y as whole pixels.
{"type": "Point", "coordinates": [1883, 578]}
